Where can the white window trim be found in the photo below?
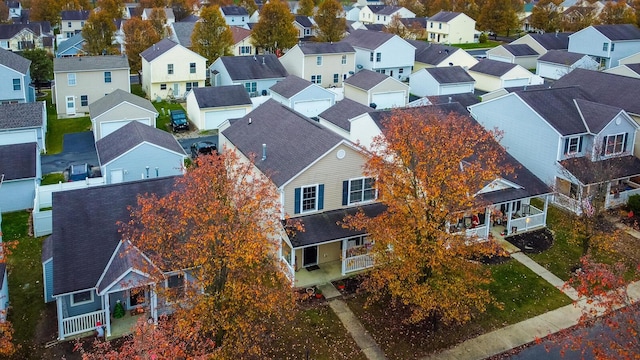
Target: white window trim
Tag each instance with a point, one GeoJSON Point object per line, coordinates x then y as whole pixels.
{"type": "Point", "coordinates": [606, 144]}
{"type": "Point", "coordinates": [319, 60]}
{"type": "Point", "coordinates": [343, 60]}
{"type": "Point", "coordinates": [73, 303]}
{"type": "Point", "coordinates": [349, 202]}
{"type": "Point", "coordinates": [75, 80]}
{"type": "Point", "coordinates": [166, 283]}
{"type": "Point", "coordinates": [577, 138]}
{"type": "Point", "coordinates": [315, 207]}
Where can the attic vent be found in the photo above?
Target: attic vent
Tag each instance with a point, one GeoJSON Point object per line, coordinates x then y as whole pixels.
{"type": "Point", "coordinates": [264, 152]}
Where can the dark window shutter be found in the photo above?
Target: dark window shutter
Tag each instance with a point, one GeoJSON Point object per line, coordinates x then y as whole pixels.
{"type": "Point", "coordinates": [320, 196]}
{"type": "Point", "coordinates": [624, 145]}
{"type": "Point", "coordinates": [566, 146]}
{"type": "Point", "coordinates": [604, 146]}
{"type": "Point", "coordinates": [580, 144]}
{"type": "Point", "coordinates": [296, 201]}
{"type": "Point", "coordinates": [345, 192]}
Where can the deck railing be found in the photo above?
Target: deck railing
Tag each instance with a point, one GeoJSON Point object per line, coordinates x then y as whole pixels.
{"type": "Point", "coordinates": [82, 323]}
{"type": "Point", "coordinates": [620, 198]}
{"type": "Point", "coordinates": [357, 263]}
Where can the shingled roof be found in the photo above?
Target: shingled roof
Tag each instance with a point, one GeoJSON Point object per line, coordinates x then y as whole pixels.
{"type": "Point", "coordinates": [431, 53]}
{"type": "Point", "coordinates": [220, 96]}
{"type": "Point", "coordinates": [77, 15]}
{"type": "Point", "coordinates": [619, 32]}
{"type": "Point", "coordinates": [254, 67]}
{"type": "Point", "coordinates": [182, 32]}
{"type": "Point", "coordinates": [14, 61]}
{"type": "Point", "coordinates": [344, 110]}
{"type": "Point", "coordinates": [234, 10]}
{"type": "Point", "coordinates": [131, 135]}
{"type": "Point", "coordinates": [449, 75]}
{"type": "Point", "coordinates": [313, 48]}
{"type": "Point", "coordinates": [292, 140]}
{"type": "Point", "coordinates": [552, 41]}
{"type": "Point", "coordinates": [366, 79]}
{"type": "Point", "coordinates": [520, 50]}
{"type": "Point", "coordinates": [290, 86]}
{"type": "Point", "coordinates": [492, 67]}
{"type": "Point", "coordinates": [383, 9]}
{"type": "Point", "coordinates": [157, 49]}
{"type": "Point", "coordinates": [90, 63]}
{"type": "Point", "coordinates": [116, 98]}
{"type": "Point", "coordinates": [561, 57]}
{"type": "Point", "coordinates": [22, 115]}
{"type": "Point", "coordinates": [367, 39]}
{"type": "Point", "coordinates": [18, 161]}
{"type": "Point", "coordinates": [78, 259]}
{"type": "Point", "coordinates": [444, 16]}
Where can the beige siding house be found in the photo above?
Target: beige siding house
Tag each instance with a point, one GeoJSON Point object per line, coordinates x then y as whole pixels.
{"type": "Point", "coordinates": [79, 81]}
{"type": "Point", "coordinates": [631, 59]}
{"type": "Point", "coordinates": [325, 64]}
{"type": "Point", "coordinates": [242, 45]}
{"type": "Point", "coordinates": [376, 90]}
{"type": "Point", "coordinates": [492, 75]}
{"type": "Point", "coordinates": [448, 27]}
{"type": "Point", "coordinates": [542, 43]}
{"type": "Point", "coordinates": [429, 55]}
{"type": "Point", "coordinates": [521, 54]}
{"type": "Point", "coordinates": [117, 110]}
{"type": "Point", "coordinates": [209, 107]}
{"type": "Point", "coordinates": [170, 70]}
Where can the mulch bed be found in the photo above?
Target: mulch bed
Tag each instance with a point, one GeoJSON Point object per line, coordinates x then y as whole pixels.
{"type": "Point", "coordinates": [532, 242]}
{"type": "Point", "coordinates": [349, 286]}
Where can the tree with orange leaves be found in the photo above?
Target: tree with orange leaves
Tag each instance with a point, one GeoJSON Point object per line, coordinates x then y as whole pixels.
{"type": "Point", "coordinates": [221, 224]}
{"type": "Point", "coordinates": [427, 166]}
{"type": "Point", "coordinates": [7, 347]}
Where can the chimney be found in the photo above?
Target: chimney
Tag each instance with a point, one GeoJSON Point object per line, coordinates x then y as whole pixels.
{"type": "Point", "coordinates": [264, 152]}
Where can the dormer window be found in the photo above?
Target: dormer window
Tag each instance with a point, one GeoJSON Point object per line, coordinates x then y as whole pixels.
{"type": "Point", "coordinates": [573, 145]}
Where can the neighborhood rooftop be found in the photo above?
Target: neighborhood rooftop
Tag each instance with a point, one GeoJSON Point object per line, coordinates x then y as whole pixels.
{"type": "Point", "coordinates": [254, 67]}
{"type": "Point", "coordinates": [234, 10]}
{"type": "Point", "coordinates": [444, 16]}
{"type": "Point", "coordinates": [384, 9]}
{"type": "Point", "coordinates": [117, 97]}
{"type": "Point", "coordinates": [290, 86]}
{"type": "Point", "coordinates": [367, 39]}
{"type": "Point", "coordinates": [14, 61]}
{"type": "Point", "coordinates": [305, 21]}
{"type": "Point", "coordinates": [431, 53]}
{"type": "Point", "coordinates": [22, 115]}
{"type": "Point", "coordinates": [619, 32]}
{"type": "Point", "coordinates": [219, 96]}
{"type": "Point", "coordinates": [561, 57]}
{"type": "Point", "coordinates": [18, 161]}
{"type": "Point", "coordinates": [492, 67]}
{"type": "Point", "coordinates": [77, 15]}
{"type": "Point", "coordinates": [182, 32]}
{"type": "Point", "coordinates": [90, 63]}
{"type": "Point", "coordinates": [311, 48]}
{"type": "Point", "coordinates": [344, 110]}
{"type": "Point", "coordinates": [366, 79]}
{"type": "Point", "coordinates": [449, 75]}
{"type": "Point", "coordinates": [552, 41]}
{"type": "Point", "coordinates": [520, 50]}
{"type": "Point", "coordinates": [157, 49]}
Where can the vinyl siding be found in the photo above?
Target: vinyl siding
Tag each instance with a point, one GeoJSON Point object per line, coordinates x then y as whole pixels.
{"type": "Point", "coordinates": [123, 111]}
{"type": "Point", "coordinates": [90, 83]}
{"type": "Point", "coordinates": [47, 269]}
{"type": "Point", "coordinates": [6, 86]}
{"type": "Point", "coordinates": [331, 64]}
{"type": "Point", "coordinates": [84, 308]}
{"type": "Point", "coordinates": [17, 195]}
{"type": "Point", "coordinates": [134, 162]}
{"type": "Point", "coordinates": [181, 58]}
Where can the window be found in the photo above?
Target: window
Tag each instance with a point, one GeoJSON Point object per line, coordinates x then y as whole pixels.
{"type": "Point", "coordinates": [107, 76]}
{"type": "Point", "coordinates": [439, 26]}
{"type": "Point", "coordinates": [613, 45]}
{"type": "Point", "coordinates": [361, 189]}
{"type": "Point", "coordinates": [316, 79]}
{"type": "Point", "coordinates": [309, 198]}
{"type": "Point", "coordinates": [80, 298]}
{"type": "Point", "coordinates": [81, 23]}
{"type": "Point", "coordinates": [431, 25]}
{"type": "Point", "coordinates": [336, 78]}
{"type": "Point", "coordinates": [175, 284]}
{"type": "Point", "coordinates": [163, 86]}
{"type": "Point", "coordinates": [251, 87]}
{"type": "Point", "coordinates": [344, 60]}
{"type": "Point", "coordinates": [69, 24]}
{"type": "Point", "coordinates": [170, 69]}
{"type": "Point", "coordinates": [378, 57]}
{"type": "Point", "coordinates": [573, 145]}
{"type": "Point", "coordinates": [194, 84]}
{"type": "Point", "coordinates": [245, 50]}
{"type": "Point", "coordinates": [71, 79]}
{"type": "Point", "coordinates": [16, 84]}
{"type": "Point", "coordinates": [371, 56]}
{"type": "Point", "coordinates": [401, 70]}
{"type": "Point", "coordinates": [605, 46]}
{"type": "Point", "coordinates": [192, 68]}
{"type": "Point", "coordinates": [318, 60]}
{"type": "Point", "coordinates": [188, 86]}
{"type": "Point", "coordinates": [615, 144]}
{"type": "Point", "coordinates": [378, 17]}
{"type": "Point", "coordinates": [84, 100]}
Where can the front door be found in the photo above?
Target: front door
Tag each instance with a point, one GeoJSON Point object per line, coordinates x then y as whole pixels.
{"type": "Point", "coordinates": [310, 256]}
{"type": "Point", "coordinates": [176, 89]}
{"type": "Point", "coordinates": [71, 105]}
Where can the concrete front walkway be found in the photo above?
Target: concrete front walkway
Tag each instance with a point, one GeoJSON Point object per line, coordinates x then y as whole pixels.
{"type": "Point", "coordinates": [369, 346]}
{"type": "Point", "coordinates": [546, 274]}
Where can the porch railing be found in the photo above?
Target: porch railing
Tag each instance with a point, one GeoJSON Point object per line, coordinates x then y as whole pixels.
{"type": "Point", "coordinates": [288, 270]}
{"type": "Point", "coordinates": [82, 323]}
{"type": "Point", "coordinates": [478, 232]}
{"type": "Point", "coordinates": [528, 222]}
{"type": "Point", "coordinates": [356, 263]}
{"type": "Point", "coordinates": [619, 198]}
{"type": "Point", "coordinates": [568, 203]}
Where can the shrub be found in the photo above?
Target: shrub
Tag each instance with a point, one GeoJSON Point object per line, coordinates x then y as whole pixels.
{"type": "Point", "coordinates": [483, 38]}
{"type": "Point", "coordinates": [634, 203]}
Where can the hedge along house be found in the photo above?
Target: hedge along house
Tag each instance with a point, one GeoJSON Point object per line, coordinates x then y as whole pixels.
{"type": "Point", "coordinates": [319, 176]}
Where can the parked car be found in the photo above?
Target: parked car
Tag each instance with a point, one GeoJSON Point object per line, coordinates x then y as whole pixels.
{"type": "Point", "coordinates": [202, 148]}
{"type": "Point", "coordinates": [179, 120]}
{"type": "Point", "coordinates": [78, 172]}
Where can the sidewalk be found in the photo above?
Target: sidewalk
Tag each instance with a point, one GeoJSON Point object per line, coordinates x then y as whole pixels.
{"type": "Point", "coordinates": [545, 274]}
{"type": "Point", "coordinates": [369, 346]}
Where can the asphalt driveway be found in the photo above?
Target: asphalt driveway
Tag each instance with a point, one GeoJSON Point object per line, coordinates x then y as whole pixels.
{"type": "Point", "coordinates": [77, 148]}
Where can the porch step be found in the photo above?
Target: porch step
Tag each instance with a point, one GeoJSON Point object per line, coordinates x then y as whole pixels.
{"type": "Point", "coordinates": [329, 291]}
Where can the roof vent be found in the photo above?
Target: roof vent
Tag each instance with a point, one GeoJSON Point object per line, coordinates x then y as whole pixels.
{"type": "Point", "coordinates": [249, 121]}
{"type": "Point", "coordinates": [450, 99]}
{"type": "Point", "coordinates": [263, 60]}
{"type": "Point", "coordinates": [264, 152]}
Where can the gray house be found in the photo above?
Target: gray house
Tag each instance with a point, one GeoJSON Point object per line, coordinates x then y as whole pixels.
{"type": "Point", "coordinates": [441, 81]}
{"type": "Point", "coordinates": [20, 172]}
{"type": "Point", "coordinates": [24, 123]}
{"type": "Point", "coordinates": [137, 151]}
{"type": "Point", "coordinates": [118, 109]}
{"type": "Point", "coordinates": [16, 84]}
{"type": "Point", "coordinates": [256, 73]}
{"type": "Point", "coordinates": [302, 96]}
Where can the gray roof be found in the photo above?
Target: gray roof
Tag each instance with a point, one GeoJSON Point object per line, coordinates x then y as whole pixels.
{"type": "Point", "coordinates": [592, 172]}
{"type": "Point", "coordinates": [492, 67]}
{"type": "Point", "coordinates": [47, 249]}
{"type": "Point", "coordinates": [344, 110]}
{"type": "Point", "coordinates": [619, 32]}
{"type": "Point", "coordinates": [115, 98]}
{"type": "Point", "coordinates": [384, 9]}
{"type": "Point", "coordinates": [569, 110]}
{"type": "Point", "coordinates": [375, 27]}
{"type": "Point", "coordinates": [132, 135]}
{"type": "Point", "coordinates": [634, 67]}
{"type": "Point", "coordinates": [90, 63]}
{"type": "Point", "coordinates": [219, 96]}
{"type": "Point", "coordinates": [18, 161]}
{"type": "Point", "coordinates": [182, 32]}
{"type": "Point", "coordinates": [86, 233]}
{"type": "Point", "coordinates": [304, 21]}
{"type": "Point", "coordinates": [422, 21]}
{"type": "Point", "coordinates": [444, 16]}
{"type": "Point", "coordinates": [561, 57]}
{"type": "Point", "coordinates": [292, 140]}
{"type": "Point", "coordinates": [290, 86]}
{"type": "Point", "coordinates": [552, 41]}
{"type": "Point", "coordinates": [8, 31]}
{"type": "Point", "coordinates": [366, 79]}
{"type": "Point", "coordinates": [127, 257]}
{"type": "Point", "coordinates": [14, 61]}
{"type": "Point", "coordinates": [520, 50]}
{"type": "Point", "coordinates": [234, 10]}
{"type": "Point", "coordinates": [450, 75]}
{"type": "Point", "coordinates": [70, 42]}
{"type": "Point", "coordinates": [465, 99]}
{"type": "Point", "coordinates": [312, 48]}
{"type": "Point", "coordinates": [615, 90]}
{"type": "Point", "coordinates": [254, 67]}
{"type": "Point", "coordinates": [157, 49]}
{"type": "Point", "coordinates": [70, 15]}
{"type": "Point", "coordinates": [22, 115]}
{"type": "Point", "coordinates": [431, 53]}
{"type": "Point", "coordinates": [367, 39]}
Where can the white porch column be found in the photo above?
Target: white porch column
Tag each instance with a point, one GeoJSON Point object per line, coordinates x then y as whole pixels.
{"type": "Point", "coordinates": [343, 258]}
{"type": "Point", "coordinates": [293, 259]}
{"type": "Point", "coordinates": [509, 214]}
{"type": "Point", "coordinates": [60, 318]}
{"type": "Point", "coordinates": [487, 222]}
{"type": "Point", "coordinates": [154, 303]}
{"type": "Point", "coordinates": [107, 313]}
{"type": "Point", "coordinates": [546, 207]}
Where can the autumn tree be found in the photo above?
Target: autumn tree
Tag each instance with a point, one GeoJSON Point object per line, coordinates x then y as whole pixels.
{"type": "Point", "coordinates": [182, 8]}
{"type": "Point", "coordinates": [139, 35]}
{"type": "Point", "coordinates": [41, 68]}
{"type": "Point", "coordinates": [45, 10]}
{"type": "Point", "coordinates": [112, 8]}
{"type": "Point", "coordinates": [150, 4]}
{"type": "Point", "coordinates": [579, 17]}
{"type": "Point", "coordinates": [427, 166]}
{"type": "Point", "coordinates": [250, 5]}
{"type": "Point", "coordinates": [617, 13]}
{"type": "Point", "coordinates": [331, 26]}
{"type": "Point", "coordinates": [98, 32]}
{"type": "Point", "coordinates": [499, 16]}
{"type": "Point", "coordinates": [275, 30]}
{"type": "Point", "coordinates": [305, 7]}
{"type": "Point", "coordinates": [211, 36]}
{"type": "Point", "coordinates": [158, 19]}
{"type": "Point", "coordinates": [412, 30]}
{"type": "Point", "coordinates": [222, 222]}
{"type": "Point", "coordinates": [4, 12]}
{"type": "Point", "coordinates": [547, 15]}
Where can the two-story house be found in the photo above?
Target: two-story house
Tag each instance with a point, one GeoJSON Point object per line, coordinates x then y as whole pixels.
{"type": "Point", "coordinates": [382, 14]}
{"type": "Point", "coordinates": [325, 64]}
{"type": "Point", "coordinates": [382, 52]}
{"type": "Point", "coordinates": [256, 73]}
{"type": "Point", "coordinates": [568, 139]}
{"type": "Point", "coordinates": [242, 45]}
{"type": "Point", "coordinates": [19, 37]}
{"type": "Point", "coordinates": [320, 178]}
{"type": "Point", "coordinates": [79, 81]}
{"type": "Point", "coordinates": [606, 43]}
{"type": "Point", "coordinates": [16, 87]}
{"type": "Point", "coordinates": [429, 55]}
{"type": "Point", "coordinates": [449, 27]}
{"type": "Point", "coordinates": [170, 70]}
{"type": "Point", "coordinates": [235, 15]}
{"type": "Point", "coordinates": [72, 22]}
{"type": "Point", "coordinates": [306, 27]}
{"type": "Point", "coordinates": [544, 42]}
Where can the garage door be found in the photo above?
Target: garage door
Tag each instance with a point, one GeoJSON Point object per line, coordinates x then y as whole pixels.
{"type": "Point", "coordinates": [108, 127]}
{"type": "Point", "coordinates": [312, 108]}
{"type": "Point", "coordinates": [515, 82]}
{"type": "Point", "coordinates": [18, 137]}
{"type": "Point", "coordinates": [213, 119]}
{"type": "Point", "coordinates": [389, 100]}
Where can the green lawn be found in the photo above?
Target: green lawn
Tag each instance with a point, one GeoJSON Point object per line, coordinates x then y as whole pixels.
{"type": "Point", "coordinates": [163, 108]}
{"type": "Point", "coordinates": [52, 178]}
{"type": "Point", "coordinates": [522, 294]}
{"type": "Point", "coordinates": [471, 46]}
{"type": "Point", "coordinates": [25, 281]}
{"type": "Point", "coordinates": [56, 128]}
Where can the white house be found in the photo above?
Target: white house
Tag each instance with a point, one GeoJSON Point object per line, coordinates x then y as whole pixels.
{"type": "Point", "coordinates": [302, 96]}
{"type": "Point", "coordinates": [492, 75]}
{"type": "Point", "coordinates": [438, 55]}
{"type": "Point", "coordinates": [382, 14]}
{"type": "Point", "coordinates": [557, 63]}
{"type": "Point", "coordinates": [325, 64]}
{"type": "Point", "coordinates": [441, 81]}
{"type": "Point", "coordinates": [235, 15]}
{"type": "Point", "coordinates": [209, 107]}
{"type": "Point", "coordinates": [376, 90]}
{"type": "Point", "coordinates": [607, 44]}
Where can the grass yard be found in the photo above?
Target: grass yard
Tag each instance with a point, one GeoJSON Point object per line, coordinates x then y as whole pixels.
{"type": "Point", "coordinates": [25, 282]}
{"type": "Point", "coordinates": [319, 331]}
{"type": "Point", "coordinates": [52, 178]}
{"type": "Point", "coordinates": [471, 46]}
{"type": "Point", "coordinates": [522, 293]}
{"type": "Point", "coordinates": [56, 128]}
{"type": "Point", "coordinates": [163, 107]}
